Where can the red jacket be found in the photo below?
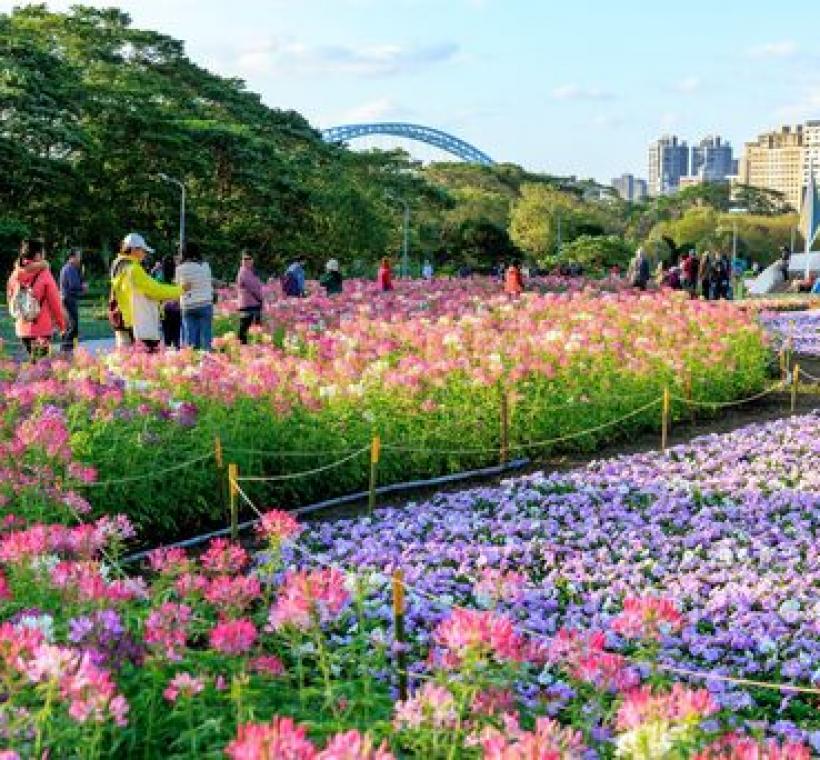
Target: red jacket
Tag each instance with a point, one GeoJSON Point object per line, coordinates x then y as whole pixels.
{"type": "Point", "coordinates": [385, 278]}
{"type": "Point", "coordinates": [45, 290]}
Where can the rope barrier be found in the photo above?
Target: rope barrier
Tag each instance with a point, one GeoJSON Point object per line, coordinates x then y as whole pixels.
{"type": "Point", "coordinates": [303, 473]}
{"type": "Point", "coordinates": [725, 404]}
{"type": "Point", "coordinates": [534, 444]}
{"type": "Point", "coordinates": [148, 475]}
{"type": "Point", "coordinates": [292, 454]}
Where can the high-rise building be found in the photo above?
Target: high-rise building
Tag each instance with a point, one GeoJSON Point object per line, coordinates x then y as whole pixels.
{"type": "Point", "coordinates": [668, 162]}
{"type": "Point", "coordinates": [780, 160]}
{"type": "Point", "coordinates": [712, 160]}
{"type": "Point", "coordinates": [630, 188]}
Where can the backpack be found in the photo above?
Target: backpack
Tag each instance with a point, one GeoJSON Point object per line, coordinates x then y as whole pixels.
{"type": "Point", "coordinates": [24, 304]}
{"type": "Point", "coordinates": [289, 285]}
{"type": "Point", "coordinates": [115, 318]}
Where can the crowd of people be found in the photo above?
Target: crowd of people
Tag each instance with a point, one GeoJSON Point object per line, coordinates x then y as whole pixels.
{"type": "Point", "coordinates": [174, 302]}
{"type": "Point", "coordinates": [708, 276]}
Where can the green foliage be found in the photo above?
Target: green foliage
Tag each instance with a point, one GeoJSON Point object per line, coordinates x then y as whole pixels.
{"type": "Point", "coordinates": [596, 253]}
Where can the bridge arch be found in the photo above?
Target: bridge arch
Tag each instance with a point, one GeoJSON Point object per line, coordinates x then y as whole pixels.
{"type": "Point", "coordinates": [435, 137]}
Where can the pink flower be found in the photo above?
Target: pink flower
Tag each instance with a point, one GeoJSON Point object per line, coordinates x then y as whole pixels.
{"type": "Point", "coordinates": [432, 706]}
{"type": "Point", "coordinates": [278, 526]}
{"type": "Point", "coordinates": [232, 595]}
{"type": "Point", "coordinates": [281, 739]}
{"type": "Point", "coordinates": [5, 591]}
{"type": "Point", "coordinates": [681, 705]}
{"type": "Point", "coordinates": [499, 586]}
{"type": "Point", "coordinates": [475, 633]}
{"type": "Point", "coordinates": [224, 556]}
{"type": "Point", "coordinates": [549, 741]}
{"type": "Point", "coordinates": [191, 584]}
{"type": "Point", "coordinates": [352, 745]}
{"type": "Point", "coordinates": [736, 747]}
{"type": "Point", "coordinates": [233, 636]}
{"type": "Point", "coordinates": [308, 598]}
{"type": "Point", "coordinates": [647, 617]}
{"type": "Point", "coordinates": [268, 665]}
{"type": "Point", "coordinates": [170, 561]}
{"type": "Point", "coordinates": [167, 629]}
{"type": "Point", "coordinates": [183, 685]}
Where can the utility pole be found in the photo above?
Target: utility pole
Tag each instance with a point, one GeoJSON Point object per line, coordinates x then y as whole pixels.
{"type": "Point", "coordinates": [181, 186]}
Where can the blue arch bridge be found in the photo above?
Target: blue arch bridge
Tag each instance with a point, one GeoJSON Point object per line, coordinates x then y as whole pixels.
{"type": "Point", "coordinates": [435, 137]}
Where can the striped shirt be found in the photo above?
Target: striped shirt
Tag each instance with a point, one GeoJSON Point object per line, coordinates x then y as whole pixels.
{"type": "Point", "coordinates": [198, 274]}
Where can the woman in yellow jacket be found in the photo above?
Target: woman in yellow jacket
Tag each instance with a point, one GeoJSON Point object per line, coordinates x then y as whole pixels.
{"type": "Point", "coordinates": [136, 296]}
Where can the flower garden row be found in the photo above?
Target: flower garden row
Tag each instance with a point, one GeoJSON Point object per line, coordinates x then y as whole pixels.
{"type": "Point", "coordinates": [431, 386]}
{"type": "Point", "coordinates": [542, 616]}
{"type": "Point", "coordinates": [800, 331]}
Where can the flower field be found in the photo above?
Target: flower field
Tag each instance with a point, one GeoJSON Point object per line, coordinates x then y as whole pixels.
{"type": "Point", "coordinates": [542, 617]}
{"type": "Point", "coordinates": [799, 330]}
{"type": "Point", "coordinates": [552, 617]}
{"type": "Point", "coordinates": [431, 375]}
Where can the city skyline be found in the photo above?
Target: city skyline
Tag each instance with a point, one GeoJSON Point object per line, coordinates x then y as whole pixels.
{"type": "Point", "coordinates": [580, 89]}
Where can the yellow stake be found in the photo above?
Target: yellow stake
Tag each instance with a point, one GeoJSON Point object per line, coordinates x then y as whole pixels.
{"type": "Point", "coordinates": [665, 419]}
{"type": "Point", "coordinates": [795, 383]}
{"type": "Point", "coordinates": [218, 452]}
{"type": "Point", "coordinates": [233, 495]}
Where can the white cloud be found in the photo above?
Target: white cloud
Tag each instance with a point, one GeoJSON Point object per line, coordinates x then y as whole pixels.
{"type": "Point", "coordinates": [688, 85]}
{"type": "Point", "coordinates": [278, 57]}
{"type": "Point", "coordinates": [781, 49]}
{"type": "Point", "coordinates": [381, 109]}
{"type": "Point", "coordinates": [607, 121]}
{"type": "Point", "coordinates": [577, 92]}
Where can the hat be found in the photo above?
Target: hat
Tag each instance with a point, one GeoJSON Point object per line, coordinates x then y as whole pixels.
{"type": "Point", "coordinates": [332, 266]}
{"type": "Point", "coordinates": [135, 240]}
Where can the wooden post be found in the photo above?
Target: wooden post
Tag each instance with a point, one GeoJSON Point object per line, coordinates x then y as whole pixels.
{"type": "Point", "coordinates": [504, 454]}
{"type": "Point", "coordinates": [233, 496]}
{"type": "Point", "coordinates": [665, 418]}
{"type": "Point", "coordinates": [795, 383]}
{"type": "Point", "coordinates": [782, 357]}
{"type": "Point", "coordinates": [375, 453]}
{"type": "Point", "coordinates": [398, 622]}
{"type": "Point", "coordinates": [220, 463]}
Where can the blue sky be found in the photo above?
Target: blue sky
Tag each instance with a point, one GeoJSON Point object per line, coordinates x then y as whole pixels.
{"type": "Point", "coordinates": [567, 86]}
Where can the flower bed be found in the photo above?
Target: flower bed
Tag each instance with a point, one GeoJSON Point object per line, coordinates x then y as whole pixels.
{"type": "Point", "coordinates": [432, 388]}
{"type": "Point", "coordinates": [800, 330]}
{"type": "Point", "coordinates": [201, 656]}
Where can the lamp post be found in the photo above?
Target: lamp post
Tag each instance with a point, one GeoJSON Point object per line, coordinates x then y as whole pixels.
{"type": "Point", "coordinates": [405, 250]}
{"type": "Point", "coordinates": [165, 178]}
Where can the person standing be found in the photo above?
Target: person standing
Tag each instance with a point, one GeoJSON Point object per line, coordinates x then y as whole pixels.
{"type": "Point", "coordinates": [705, 275]}
{"type": "Point", "coordinates": [785, 259]}
{"type": "Point", "coordinates": [384, 277]}
{"type": "Point", "coordinates": [197, 302]}
{"type": "Point", "coordinates": [332, 280]}
{"type": "Point", "coordinates": [293, 281]}
{"type": "Point", "coordinates": [427, 270]}
{"type": "Point", "coordinates": [638, 273]}
{"type": "Point", "coordinates": [251, 297]}
{"type": "Point", "coordinates": [513, 281]}
{"type": "Point", "coordinates": [170, 314]}
{"type": "Point", "coordinates": [133, 308]}
{"type": "Point", "coordinates": [34, 300]}
{"type": "Point", "coordinates": [71, 288]}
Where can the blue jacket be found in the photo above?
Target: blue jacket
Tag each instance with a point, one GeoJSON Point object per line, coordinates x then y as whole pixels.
{"type": "Point", "coordinates": [71, 283]}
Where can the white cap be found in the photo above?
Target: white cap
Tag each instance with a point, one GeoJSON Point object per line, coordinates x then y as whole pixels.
{"type": "Point", "coordinates": [332, 266]}
{"type": "Point", "coordinates": [135, 240]}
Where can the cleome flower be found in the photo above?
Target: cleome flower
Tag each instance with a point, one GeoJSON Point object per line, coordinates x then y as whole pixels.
{"type": "Point", "coordinates": [475, 633]}
{"type": "Point", "coordinates": [647, 618]}
{"type": "Point", "coordinates": [278, 526]}
{"type": "Point", "coordinates": [308, 598]}
{"type": "Point", "coordinates": [233, 637]}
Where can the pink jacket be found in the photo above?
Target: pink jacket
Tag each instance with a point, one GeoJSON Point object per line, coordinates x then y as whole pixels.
{"type": "Point", "coordinates": [45, 290]}
{"type": "Point", "coordinates": [250, 289]}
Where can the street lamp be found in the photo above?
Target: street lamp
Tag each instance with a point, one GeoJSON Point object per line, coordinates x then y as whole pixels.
{"type": "Point", "coordinates": [165, 178]}
{"type": "Point", "coordinates": [405, 263]}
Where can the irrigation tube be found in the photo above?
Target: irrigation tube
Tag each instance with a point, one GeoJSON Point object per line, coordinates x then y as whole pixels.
{"type": "Point", "coordinates": [339, 501]}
